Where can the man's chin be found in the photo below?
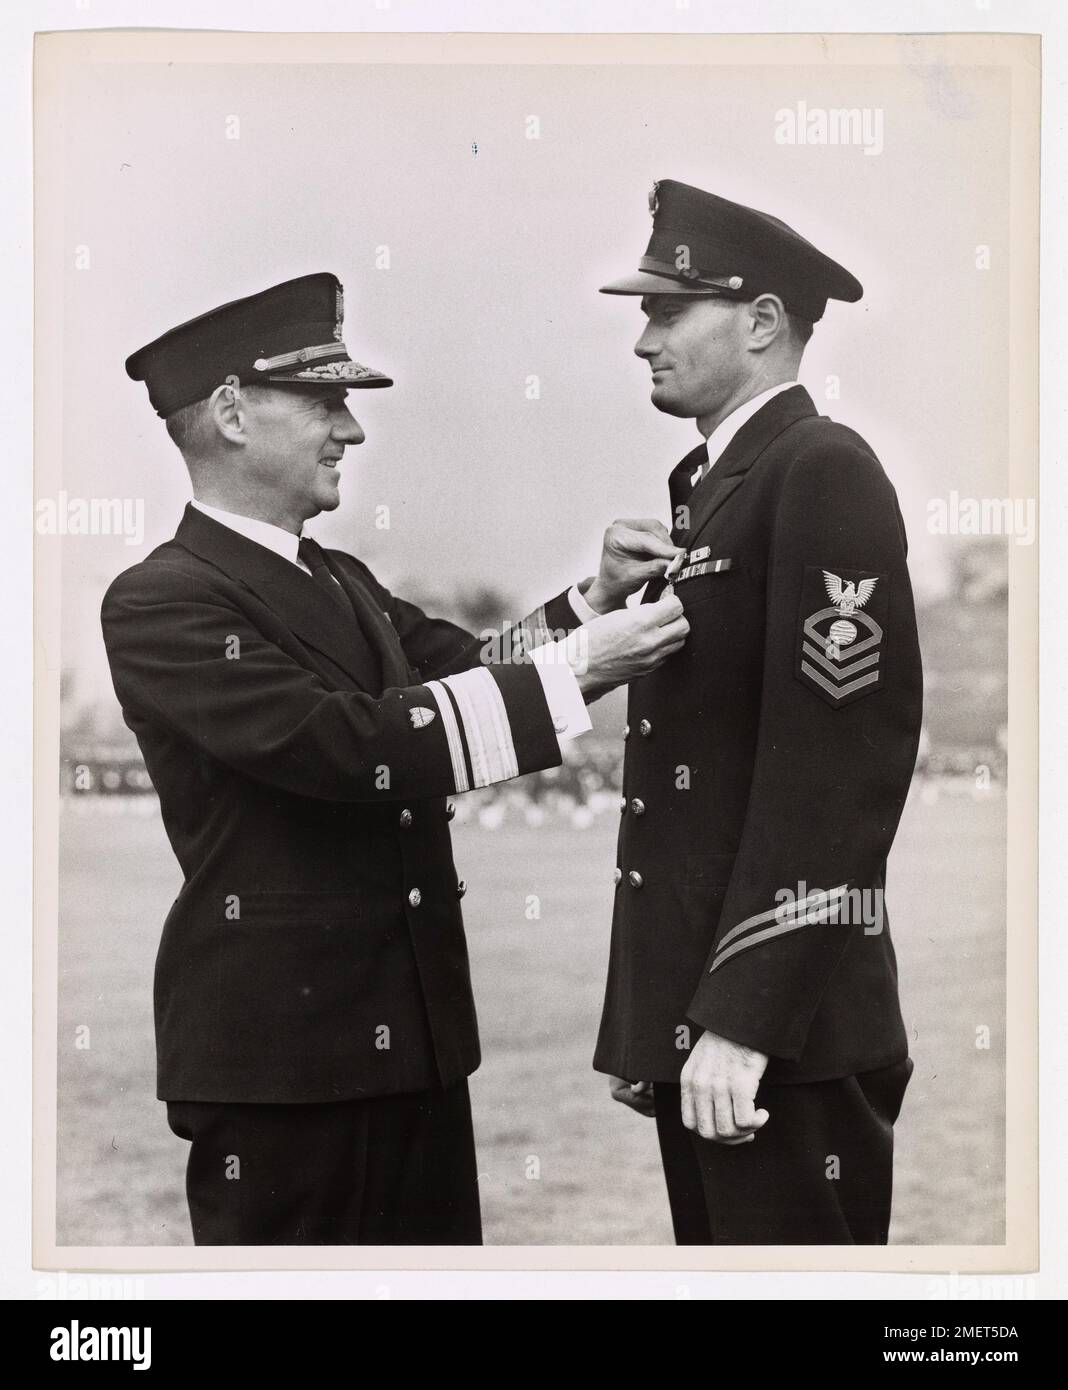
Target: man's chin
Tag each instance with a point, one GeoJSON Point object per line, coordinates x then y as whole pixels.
{"type": "Point", "coordinates": [328, 501]}
{"type": "Point", "coordinates": [669, 404]}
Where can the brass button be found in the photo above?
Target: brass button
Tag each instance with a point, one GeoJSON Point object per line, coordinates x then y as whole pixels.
{"type": "Point", "coordinates": [559, 726]}
{"type": "Point", "coordinates": [415, 897]}
{"type": "Point", "coordinates": [405, 819]}
{"type": "Point", "coordinates": [645, 728]}
{"type": "Point", "coordinates": [635, 879]}
{"type": "Point", "coordinates": [626, 732]}
{"type": "Point", "coordinates": [450, 810]}
{"type": "Point", "coordinates": [461, 888]}
{"type": "Point", "coordinates": [622, 804]}
{"type": "Point", "coordinates": [638, 806]}
{"type": "Point", "coordinates": [617, 875]}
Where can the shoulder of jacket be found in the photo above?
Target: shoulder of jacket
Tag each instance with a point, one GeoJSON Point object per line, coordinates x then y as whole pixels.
{"type": "Point", "coordinates": [165, 573]}
{"type": "Point", "coordinates": [823, 449]}
{"type": "Point", "coordinates": [358, 565]}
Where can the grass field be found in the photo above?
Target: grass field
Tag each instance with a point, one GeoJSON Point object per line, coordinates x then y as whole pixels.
{"type": "Point", "coordinates": [560, 1163]}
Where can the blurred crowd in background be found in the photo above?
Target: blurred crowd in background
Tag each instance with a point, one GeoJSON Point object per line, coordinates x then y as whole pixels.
{"type": "Point", "coordinates": [963, 635]}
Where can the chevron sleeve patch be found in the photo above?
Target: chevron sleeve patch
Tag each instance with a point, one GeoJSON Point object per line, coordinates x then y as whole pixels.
{"type": "Point", "coordinates": [840, 630]}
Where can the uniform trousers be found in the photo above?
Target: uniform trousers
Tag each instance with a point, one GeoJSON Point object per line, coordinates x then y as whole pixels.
{"type": "Point", "coordinates": [820, 1172]}
{"type": "Point", "coordinates": [386, 1170]}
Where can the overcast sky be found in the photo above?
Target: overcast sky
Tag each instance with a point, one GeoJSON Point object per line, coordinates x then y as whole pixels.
{"type": "Point", "coordinates": [497, 244]}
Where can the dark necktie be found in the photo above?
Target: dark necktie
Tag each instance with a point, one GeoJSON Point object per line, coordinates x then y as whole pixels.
{"type": "Point", "coordinates": [310, 552]}
{"type": "Point", "coordinates": [679, 489]}
{"type": "Point", "coordinates": [679, 485]}
{"type": "Point", "coordinates": [356, 602]}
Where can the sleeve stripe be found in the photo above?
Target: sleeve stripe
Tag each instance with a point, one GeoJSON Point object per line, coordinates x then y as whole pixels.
{"type": "Point", "coordinates": [463, 734]}
{"type": "Point", "coordinates": [535, 628]}
{"type": "Point", "coordinates": [452, 734]}
{"type": "Point", "coordinates": [485, 722]}
{"type": "Point", "coordinates": [814, 916]}
{"type": "Point", "coordinates": [787, 911]}
{"type": "Point", "coordinates": [754, 940]}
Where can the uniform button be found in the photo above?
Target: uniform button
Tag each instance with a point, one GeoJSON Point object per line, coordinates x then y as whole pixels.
{"type": "Point", "coordinates": [560, 725]}
{"type": "Point", "coordinates": [450, 810]}
{"type": "Point", "coordinates": [635, 879]}
{"type": "Point", "coordinates": [461, 888]}
{"type": "Point", "coordinates": [645, 728]}
{"type": "Point", "coordinates": [415, 897]}
{"type": "Point", "coordinates": [622, 804]}
{"type": "Point", "coordinates": [617, 875]}
{"type": "Point", "coordinates": [405, 819]}
{"type": "Point", "coordinates": [638, 806]}
{"type": "Point", "coordinates": [626, 732]}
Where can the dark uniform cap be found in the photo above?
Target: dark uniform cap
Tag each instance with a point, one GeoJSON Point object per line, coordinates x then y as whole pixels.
{"type": "Point", "coordinates": [290, 333]}
{"type": "Point", "coordinates": [706, 245]}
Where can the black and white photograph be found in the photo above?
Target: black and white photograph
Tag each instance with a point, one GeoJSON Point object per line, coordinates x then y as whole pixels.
{"type": "Point", "coordinates": [536, 547]}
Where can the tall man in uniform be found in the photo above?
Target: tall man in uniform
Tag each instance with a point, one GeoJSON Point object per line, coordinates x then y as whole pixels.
{"type": "Point", "coordinates": [303, 728]}
{"type": "Point", "coordinates": [752, 995]}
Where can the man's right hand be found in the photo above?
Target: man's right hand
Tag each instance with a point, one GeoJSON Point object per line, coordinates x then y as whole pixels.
{"type": "Point", "coordinates": [620, 646]}
{"type": "Point", "coordinates": [638, 1095]}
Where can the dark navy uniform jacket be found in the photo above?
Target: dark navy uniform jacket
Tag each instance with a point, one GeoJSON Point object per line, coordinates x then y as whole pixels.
{"type": "Point", "coordinates": [767, 764]}
{"type": "Point", "coordinates": [303, 756]}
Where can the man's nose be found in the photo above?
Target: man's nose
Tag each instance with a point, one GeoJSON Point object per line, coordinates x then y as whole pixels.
{"type": "Point", "coordinates": [648, 345]}
{"type": "Point", "coordinates": [347, 428]}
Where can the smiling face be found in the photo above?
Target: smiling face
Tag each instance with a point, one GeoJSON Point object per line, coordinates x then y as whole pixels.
{"type": "Point", "coordinates": [294, 440]}
{"type": "Point", "coordinates": [696, 348]}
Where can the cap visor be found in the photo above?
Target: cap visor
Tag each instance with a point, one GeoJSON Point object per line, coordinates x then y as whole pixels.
{"type": "Point", "coordinates": [644, 283]}
{"type": "Point", "coordinates": [366, 380]}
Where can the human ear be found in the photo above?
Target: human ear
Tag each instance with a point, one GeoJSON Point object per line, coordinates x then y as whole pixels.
{"type": "Point", "coordinates": [767, 319]}
{"type": "Point", "coordinates": [229, 412]}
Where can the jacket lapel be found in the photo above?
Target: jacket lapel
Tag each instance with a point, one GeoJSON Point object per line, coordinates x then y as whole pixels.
{"type": "Point", "coordinates": [728, 473]}
{"type": "Point", "coordinates": [293, 596]}
{"type": "Point", "coordinates": [377, 628]}
{"type": "Point", "coordinates": [730, 470]}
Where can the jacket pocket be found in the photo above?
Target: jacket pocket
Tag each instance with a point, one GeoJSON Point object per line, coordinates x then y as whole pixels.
{"type": "Point", "coordinates": [691, 592]}
{"type": "Point", "coordinates": [307, 975]}
{"type": "Point", "coordinates": [301, 908]}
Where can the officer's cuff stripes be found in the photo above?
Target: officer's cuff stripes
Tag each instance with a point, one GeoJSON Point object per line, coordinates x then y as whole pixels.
{"type": "Point", "coordinates": [452, 735]}
{"type": "Point", "coordinates": [818, 907]}
{"type": "Point", "coordinates": [473, 713]}
{"type": "Point", "coordinates": [535, 629]}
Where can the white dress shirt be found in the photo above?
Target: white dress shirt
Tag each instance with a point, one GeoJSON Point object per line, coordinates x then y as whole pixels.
{"type": "Point", "coordinates": [567, 708]}
{"type": "Point", "coordinates": [725, 431]}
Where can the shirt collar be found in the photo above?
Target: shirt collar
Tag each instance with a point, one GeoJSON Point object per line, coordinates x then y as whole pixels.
{"type": "Point", "coordinates": [725, 431]}
{"type": "Point", "coordinates": [275, 538]}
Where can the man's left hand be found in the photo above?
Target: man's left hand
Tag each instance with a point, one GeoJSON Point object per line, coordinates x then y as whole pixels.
{"type": "Point", "coordinates": [634, 552]}
{"type": "Point", "coordinates": [719, 1085]}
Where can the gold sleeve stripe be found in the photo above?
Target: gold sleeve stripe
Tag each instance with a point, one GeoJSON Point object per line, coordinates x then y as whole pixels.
{"type": "Point", "coordinates": [787, 912]}
{"type": "Point", "coordinates": [452, 734]}
{"type": "Point", "coordinates": [485, 720]}
{"type": "Point", "coordinates": [535, 628]}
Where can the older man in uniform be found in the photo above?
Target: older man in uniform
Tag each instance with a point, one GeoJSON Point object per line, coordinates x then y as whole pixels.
{"type": "Point", "coordinates": [304, 727]}
{"type": "Point", "coordinates": [752, 997]}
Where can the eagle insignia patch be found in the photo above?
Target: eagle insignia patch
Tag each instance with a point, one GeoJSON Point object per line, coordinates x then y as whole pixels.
{"type": "Point", "coordinates": [420, 716]}
{"type": "Point", "coordinates": [840, 647]}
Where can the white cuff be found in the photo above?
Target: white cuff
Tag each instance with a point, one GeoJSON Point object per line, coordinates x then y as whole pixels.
{"type": "Point", "coordinates": [567, 708]}
{"type": "Point", "coordinates": [580, 607]}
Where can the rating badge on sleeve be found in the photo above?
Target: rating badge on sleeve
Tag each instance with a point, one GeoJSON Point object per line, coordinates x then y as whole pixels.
{"type": "Point", "coordinates": [840, 646]}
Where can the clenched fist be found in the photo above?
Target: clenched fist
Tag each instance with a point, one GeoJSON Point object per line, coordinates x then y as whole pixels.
{"type": "Point", "coordinates": [718, 1090]}
{"type": "Point", "coordinates": [620, 646]}
{"type": "Point", "coordinates": [634, 552]}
